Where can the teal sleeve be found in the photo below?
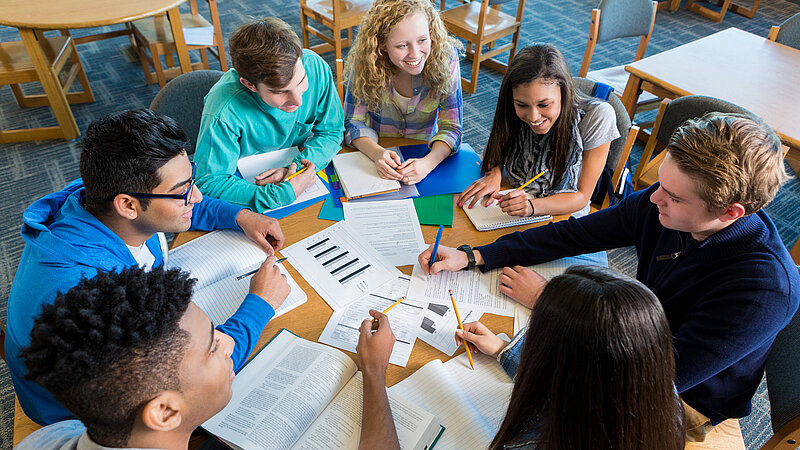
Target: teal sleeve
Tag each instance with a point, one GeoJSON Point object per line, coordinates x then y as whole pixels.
{"type": "Point", "coordinates": [328, 125]}
{"type": "Point", "coordinates": [216, 158]}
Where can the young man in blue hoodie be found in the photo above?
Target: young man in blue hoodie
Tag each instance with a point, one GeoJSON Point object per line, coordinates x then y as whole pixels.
{"type": "Point", "coordinates": [137, 183]}
{"type": "Point", "coordinates": [706, 248]}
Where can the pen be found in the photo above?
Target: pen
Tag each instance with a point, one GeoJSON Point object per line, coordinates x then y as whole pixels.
{"type": "Point", "coordinates": [256, 270]}
{"type": "Point", "coordinates": [390, 307]}
{"type": "Point", "coordinates": [295, 174]}
{"type": "Point", "coordinates": [461, 325]}
{"type": "Point", "coordinates": [531, 180]}
{"type": "Point", "coordinates": [435, 246]}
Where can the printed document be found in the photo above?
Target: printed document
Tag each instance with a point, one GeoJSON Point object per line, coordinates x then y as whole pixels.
{"type": "Point", "coordinates": [342, 328]}
{"type": "Point", "coordinates": [339, 265]}
{"type": "Point", "coordinates": [391, 227]}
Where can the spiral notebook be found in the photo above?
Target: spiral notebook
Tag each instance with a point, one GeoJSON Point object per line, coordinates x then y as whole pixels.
{"type": "Point", "coordinates": [492, 217]}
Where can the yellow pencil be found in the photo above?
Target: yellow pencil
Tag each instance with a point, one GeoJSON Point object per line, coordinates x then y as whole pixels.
{"type": "Point", "coordinates": [393, 305]}
{"type": "Point", "coordinates": [461, 325]}
{"type": "Point", "coordinates": [304, 168]}
{"type": "Point", "coordinates": [533, 179]}
{"type": "Point", "coordinates": [390, 307]}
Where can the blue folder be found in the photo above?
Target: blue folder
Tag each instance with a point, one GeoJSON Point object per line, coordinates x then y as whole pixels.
{"type": "Point", "coordinates": [452, 175]}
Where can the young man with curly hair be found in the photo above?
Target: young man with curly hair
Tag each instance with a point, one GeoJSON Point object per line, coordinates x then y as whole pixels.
{"type": "Point", "coordinates": [141, 366]}
{"type": "Point", "coordinates": [706, 248]}
{"type": "Point", "coordinates": [137, 183]}
{"type": "Point", "coordinates": [276, 96]}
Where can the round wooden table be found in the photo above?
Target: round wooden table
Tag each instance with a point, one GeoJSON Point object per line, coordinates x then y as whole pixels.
{"type": "Point", "coordinates": [33, 18]}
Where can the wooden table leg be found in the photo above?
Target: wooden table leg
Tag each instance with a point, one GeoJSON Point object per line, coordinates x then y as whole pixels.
{"type": "Point", "coordinates": [50, 83]}
{"type": "Point", "coordinates": [180, 43]}
{"type": "Point", "coordinates": [631, 94]}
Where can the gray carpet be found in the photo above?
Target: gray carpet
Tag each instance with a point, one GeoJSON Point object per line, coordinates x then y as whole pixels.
{"type": "Point", "coordinates": [31, 170]}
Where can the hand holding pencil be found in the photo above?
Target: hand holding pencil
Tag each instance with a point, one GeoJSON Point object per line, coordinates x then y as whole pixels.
{"type": "Point", "coordinates": [515, 202]}
{"type": "Point", "coordinates": [461, 326]}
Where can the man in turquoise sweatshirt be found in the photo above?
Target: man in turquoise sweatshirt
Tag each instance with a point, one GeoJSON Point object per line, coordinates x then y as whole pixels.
{"type": "Point", "coordinates": [277, 96]}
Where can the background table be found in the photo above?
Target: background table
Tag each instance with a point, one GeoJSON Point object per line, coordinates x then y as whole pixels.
{"type": "Point", "coordinates": [32, 18]}
{"type": "Point", "coordinates": [734, 65]}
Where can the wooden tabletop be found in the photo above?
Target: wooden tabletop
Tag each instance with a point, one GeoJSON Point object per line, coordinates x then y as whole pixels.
{"type": "Point", "coordinates": [308, 320]}
{"type": "Point", "coordinates": [740, 67]}
{"type": "Point", "coordinates": [56, 14]}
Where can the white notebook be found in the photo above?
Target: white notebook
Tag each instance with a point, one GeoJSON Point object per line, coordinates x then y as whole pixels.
{"type": "Point", "coordinates": [492, 217]}
{"type": "Point", "coordinates": [359, 177]}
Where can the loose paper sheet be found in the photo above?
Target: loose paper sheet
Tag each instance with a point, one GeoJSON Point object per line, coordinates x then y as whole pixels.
{"type": "Point", "coordinates": [471, 289]}
{"type": "Point", "coordinates": [342, 328]}
{"type": "Point", "coordinates": [391, 227]}
{"type": "Point", "coordinates": [338, 265]}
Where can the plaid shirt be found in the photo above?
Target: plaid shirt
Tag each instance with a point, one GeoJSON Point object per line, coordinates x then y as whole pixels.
{"type": "Point", "coordinates": [431, 116]}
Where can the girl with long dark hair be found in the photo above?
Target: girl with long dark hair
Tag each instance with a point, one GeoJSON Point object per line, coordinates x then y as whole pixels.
{"type": "Point", "coordinates": [593, 370]}
{"type": "Point", "coordinates": [543, 122]}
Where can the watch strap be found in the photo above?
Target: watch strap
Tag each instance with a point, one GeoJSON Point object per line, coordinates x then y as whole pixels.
{"type": "Point", "coordinates": [470, 256]}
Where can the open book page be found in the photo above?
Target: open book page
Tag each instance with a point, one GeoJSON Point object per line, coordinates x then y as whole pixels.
{"type": "Point", "coordinates": [339, 265]}
{"type": "Point", "coordinates": [342, 328]}
{"type": "Point", "coordinates": [339, 426]}
{"type": "Point", "coordinates": [470, 404]}
{"type": "Point", "coordinates": [359, 177]}
{"type": "Point", "coordinates": [549, 270]}
{"type": "Point", "coordinates": [391, 227]}
{"type": "Point", "coordinates": [220, 300]}
{"type": "Point", "coordinates": [216, 255]}
{"type": "Point", "coordinates": [216, 259]}
{"type": "Point", "coordinates": [280, 392]}
{"type": "Point", "coordinates": [471, 289]}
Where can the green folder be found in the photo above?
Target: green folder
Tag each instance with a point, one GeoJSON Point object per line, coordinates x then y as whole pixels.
{"type": "Point", "coordinates": [435, 210]}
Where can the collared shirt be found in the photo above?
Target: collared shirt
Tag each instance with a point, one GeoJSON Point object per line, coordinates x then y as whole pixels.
{"type": "Point", "coordinates": [430, 116]}
{"type": "Point", "coordinates": [66, 435]}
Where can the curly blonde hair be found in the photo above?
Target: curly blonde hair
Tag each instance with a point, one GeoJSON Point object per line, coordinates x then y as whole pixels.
{"type": "Point", "coordinates": [368, 68]}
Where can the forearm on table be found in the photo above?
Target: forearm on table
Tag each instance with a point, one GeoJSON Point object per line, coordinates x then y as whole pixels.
{"type": "Point", "coordinates": [377, 427]}
{"type": "Point", "coordinates": [241, 192]}
{"type": "Point", "coordinates": [439, 151]}
{"type": "Point", "coordinates": [369, 147]}
{"type": "Point", "coordinates": [561, 203]}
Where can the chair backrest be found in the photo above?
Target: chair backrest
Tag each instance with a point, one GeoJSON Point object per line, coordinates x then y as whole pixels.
{"type": "Point", "coordinates": [182, 99]}
{"type": "Point", "coordinates": [623, 119]}
{"type": "Point", "coordinates": [690, 107]}
{"type": "Point", "coordinates": [624, 18]}
{"type": "Point", "coordinates": [783, 375]}
{"type": "Point", "coordinates": [789, 34]}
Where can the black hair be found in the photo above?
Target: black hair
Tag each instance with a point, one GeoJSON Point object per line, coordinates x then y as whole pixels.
{"type": "Point", "coordinates": [123, 151]}
{"type": "Point", "coordinates": [109, 345]}
{"type": "Point", "coordinates": [537, 61]}
{"type": "Point", "coordinates": [597, 367]}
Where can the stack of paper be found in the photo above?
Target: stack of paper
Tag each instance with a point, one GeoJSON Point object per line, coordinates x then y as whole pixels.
{"type": "Point", "coordinates": [196, 30]}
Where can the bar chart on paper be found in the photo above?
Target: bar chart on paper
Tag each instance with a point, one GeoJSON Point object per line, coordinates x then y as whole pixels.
{"type": "Point", "coordinates": [338, 266]}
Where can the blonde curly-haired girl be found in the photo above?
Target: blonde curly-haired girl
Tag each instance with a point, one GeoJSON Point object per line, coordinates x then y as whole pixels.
{"type": "Point", "coordinates": [403, 80]}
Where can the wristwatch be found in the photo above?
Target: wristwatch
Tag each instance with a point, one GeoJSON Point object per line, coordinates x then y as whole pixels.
{"type": "Point", "coordinates": [470, 256]}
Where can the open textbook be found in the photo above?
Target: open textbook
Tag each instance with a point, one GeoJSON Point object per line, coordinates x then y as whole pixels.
{"type": "Point", "coordinates": [300, 394]}
{"type": "Point", "coordinates": [216, 260]}
{"type": "Point", "coordinates": [359, 177]}
{"type": "Point", "coordinates": [470, 404]}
